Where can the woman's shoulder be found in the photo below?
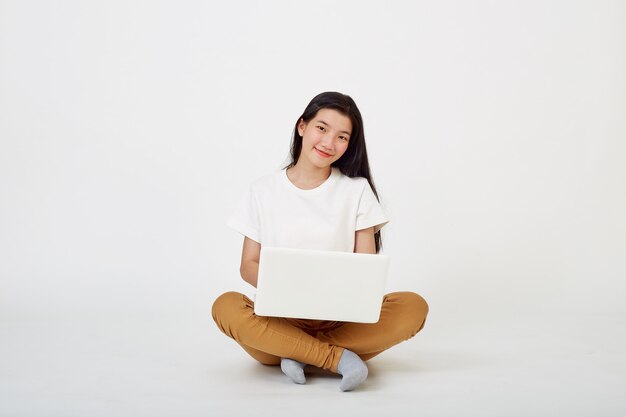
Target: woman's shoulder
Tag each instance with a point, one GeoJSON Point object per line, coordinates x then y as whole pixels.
{"type": "Point", "coordinates": [267, 179]}
{"type": "Point", "coordinates": [355, 182]}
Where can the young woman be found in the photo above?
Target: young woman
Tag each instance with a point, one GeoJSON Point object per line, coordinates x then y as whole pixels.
{"type": "Point", "coordinates": [323, 199]}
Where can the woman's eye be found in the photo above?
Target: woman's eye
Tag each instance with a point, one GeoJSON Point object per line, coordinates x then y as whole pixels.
{"type": "Point", "coordinates": [321, 127]}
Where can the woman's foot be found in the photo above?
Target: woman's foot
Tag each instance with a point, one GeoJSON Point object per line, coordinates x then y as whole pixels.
{"type": "Point", "coordinates": [353, 370]}
{"type": "Point", "coordinates": [293, 369]}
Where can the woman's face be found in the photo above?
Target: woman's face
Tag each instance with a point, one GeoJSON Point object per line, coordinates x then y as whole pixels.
{"type": "Point", "coordinates": [325, 137]}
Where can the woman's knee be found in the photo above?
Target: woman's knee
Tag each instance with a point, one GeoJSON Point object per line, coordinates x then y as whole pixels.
{"type": "Point", "coordinates": [415, 310]}
{"type": "Point", "coordinates": [226, 303]}
{"type": "Point", "coordinates": [419, 304]}
{"type": "Point", "coordinates": [420, 307]}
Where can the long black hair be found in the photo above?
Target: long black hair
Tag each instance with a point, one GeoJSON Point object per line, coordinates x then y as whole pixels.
{"type": "Point", "coordinates": [353, 162]}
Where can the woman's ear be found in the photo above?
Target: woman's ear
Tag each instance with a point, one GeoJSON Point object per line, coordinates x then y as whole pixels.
{"type": "Point", "coordinates": [301, 126]}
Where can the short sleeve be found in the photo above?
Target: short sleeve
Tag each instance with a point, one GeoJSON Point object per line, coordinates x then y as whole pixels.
{"type": "Point", "coordinates": [245, 217]}
{"type": "Point", "coordinates": [370, 213]}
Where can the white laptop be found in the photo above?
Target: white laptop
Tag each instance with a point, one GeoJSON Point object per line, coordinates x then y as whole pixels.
{"type": "Point", "coordinates": [320, 285]}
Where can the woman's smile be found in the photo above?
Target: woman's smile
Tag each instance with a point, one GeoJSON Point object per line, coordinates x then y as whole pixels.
{"type": "Point", "coordinates": [322, 154]}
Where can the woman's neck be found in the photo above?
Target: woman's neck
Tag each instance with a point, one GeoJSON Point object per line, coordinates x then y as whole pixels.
{"type": "Point", "coordinates": [308, 177]}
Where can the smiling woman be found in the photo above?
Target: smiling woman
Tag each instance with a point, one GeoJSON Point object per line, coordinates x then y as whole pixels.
{"type": "Point", "coordinates": [324, 199]}
{"type": "Point", "coordinates": [325, 139]}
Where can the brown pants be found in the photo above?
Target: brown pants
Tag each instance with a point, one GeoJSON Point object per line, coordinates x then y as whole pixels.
{"type": "Point", "coordinates": [318, 342]}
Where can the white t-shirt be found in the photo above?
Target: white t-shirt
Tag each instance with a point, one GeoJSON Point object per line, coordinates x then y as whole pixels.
{"type": "Point", "coordinates": [274, 212]}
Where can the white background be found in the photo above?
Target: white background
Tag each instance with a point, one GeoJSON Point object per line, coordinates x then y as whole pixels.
{"type": "Point", "coordinates": [496, 134]}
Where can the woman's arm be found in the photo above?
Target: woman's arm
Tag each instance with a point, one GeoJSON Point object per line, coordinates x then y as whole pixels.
{"type": "Point", "coordinates": [250, 255]}
{"type": "Point", "coordinates": [364, 241]}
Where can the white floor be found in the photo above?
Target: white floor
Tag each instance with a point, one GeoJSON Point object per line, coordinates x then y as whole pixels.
{"type": "Point", "coordinates": [457, 366]}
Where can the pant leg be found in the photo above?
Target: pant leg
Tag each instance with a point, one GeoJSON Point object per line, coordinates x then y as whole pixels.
{"type": "Point", "coordinates": [264, 358]}
{"type": "Point", "coordinates": [276, 337]}
{"type": "Point", "coordinates": [402, 315]}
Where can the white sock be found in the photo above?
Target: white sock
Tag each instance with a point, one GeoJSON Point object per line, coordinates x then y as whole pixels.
{"type": "Point", "coordinates": [353, 370]}
{"type": "Point", "coordinates": [293, 369]}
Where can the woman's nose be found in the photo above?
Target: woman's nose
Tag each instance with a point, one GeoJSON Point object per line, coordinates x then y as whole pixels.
{"type": "Point", "coordinates": [327, 141]}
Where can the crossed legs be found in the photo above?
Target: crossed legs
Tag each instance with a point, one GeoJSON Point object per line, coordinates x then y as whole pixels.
{"type": "Point", "coordinates": [315, 342]}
